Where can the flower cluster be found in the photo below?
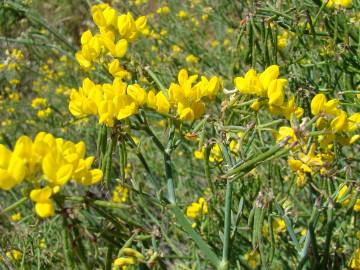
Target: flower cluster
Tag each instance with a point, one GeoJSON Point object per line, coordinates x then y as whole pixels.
{"type": "Point", "coordinates": [216, 154]}
{"type": "Point", "coordinates": [334, 122]}
{"type": "Point", "coordinates": [333, 125]}
{"type": "Point", "coordinates": [41, 105]}
{"type": "Point", "coordinates": [129, 257]}
{"type": "Point", "coordinates": [355, 261]}
{"type": "Point", "coordinates": [120, 194]}
{"type": "Point", "coordinates": [186, 97]}
{"type": "Point", "coordinates": [345, 195]}
{"type": "Point", "coordinates": [197, 210]}
{"type": "Point", "coordinates": [278, 226]}
{"type": "Point", "coordinates": [306, 163]}
{"type": "Point", "coordinates": [54, 160]}
{"type": "Point", "coordinates": [108, 101]}
{"type": "Point", "coordinates": [115, 31]}
{"type": "Point", "coordinates": [338, 3]}
{"type": "Point", "coordinates": [13, 255]}
{"type": "Point", "coordinates": [270, 90]}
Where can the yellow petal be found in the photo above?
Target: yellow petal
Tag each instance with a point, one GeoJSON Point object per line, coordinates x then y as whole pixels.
{"type": "Point", "coordinates": [317, 104]}
{"type": "Point", "coordinates": [121, 48]}
{"type": "Point", "coordinates": [45, 209]}
{"type": "Point", "coordinates": [5, 155]}
{"type": "Point", "coordinates": [294, 164]}
{"type": "Point", "coordinates": [63, 174]}
{"type": "Point", "coordinates": [276, 92]}
{"type": "Point", "coordinates": [339, 122]}
{"type": "Point", "coordinates": [96, 176]}
{"type": "Point", "coordinates": [183, 76]}
{"type": "Point", "coordinates": [162, 103]}
{"type": "Point", "coordinates": [41, 195]}
{"type": "Point", "coordinates": [17, 169]}
{"type": "Point", "coordinates": [6, 180]}
{"type": "Point", "coordinates": [270, 74]}
{"type": "Point", "coordinates": [49, 167]}
{"type": "Point", "coordinates": [23, 147]}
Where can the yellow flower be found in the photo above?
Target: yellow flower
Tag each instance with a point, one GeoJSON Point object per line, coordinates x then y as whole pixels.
{"type": "Point", "coordinates": [197, 209]}
{"type": "Point", "coordinates": [42, 114]}
{"type": "Point", "coordinates": [355, 261]}
{"type": "Point", "coordinates": [338, 3]}
{"type": "Point", "coordinates": [42, 244]}
{"type": "Point", "coordinates": [14, 96]}
{"type": "Point", "coordinates": [103, 15]}
{"type": "Point", "coordinates": [14, 82]}
{"type": "Point", "coordinates": [285, 132]}
{"type": "Point", "coordinates": [188, 98]}
{"type": "Point", "coordinates": [14, 255]}
{"type": "Point", "coordinates": [252, 258]}
{"type": "Point", "coordinates": [130, 252]}
{"type": "Point", "coordinates": [319, 104]}
{"type": "Point", "coordinates": [129, 28]}
{"type": "Point", "coordinates": [255, 105]}
{"type": "Point", "coordinates": [123, 262]}
{"type": "Point", "coordinates": [163, 10]}
{"type": "Point", "coordinates": [182, 14]}
{"type": "Point", "coordinates": [305, 164]}
{"type": "Point", "coordinates": [12, 169]}
{"type": "Point", "coordinates": [289, 108]}
{"type": "Point", "coordinates": [83, 175]}
{"type": "Point", "coordinates": [282, 40]}
{"type": "Point", "coordinates": [278, 225]}
{"type": "Point", "coordinates": [82, 102]}
{"type": "Point", "coordinates": [120, 194]}
{"type": "Point", "coordinates": [357, 206]}
{"type": "Point", "coordinates": [339, 122]}
{"type": "Point", "coordinates": [44, 206]}
{"type": "Point", "coordinates": [215, 43]}
{"type": "Point", "coordinates": [249, 84]}
{"type": "Point", "coordinates": [137, 93]}
{"type": "Point", "coordinates": [353, 122]}
{"type": "Point", "coordinates": [159, 102]}
{"type": "Point", "coordinates": [190, 58]}
{"type": "Point", "coordinates": [118, 71]}
{"type": "Point", "coordinates": [38, 102]}
{"type": "Point", "coordinates": [16, 217]}
{"type": "Point", "coordinates": [252, 83]}
{"type": "Point", "coordinates": [199, 154]}
{"type": "Point", "coordinates": [276, 92]}
{"type": "Point", "coordinates": [176, 48]}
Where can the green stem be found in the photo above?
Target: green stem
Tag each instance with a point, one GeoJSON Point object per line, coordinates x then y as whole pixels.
{"type": "Point", "coordinates": [109, 253]}
{"type": "Point", "coordinates": [250, 164]}
{"type": "Point", "coordinates": [207, 168]}
{"type": "Point", "coordinates": [156, 79]}
{"type": "Point", "coordinates": [227, 225]}
{"type": "Point", "coordinates": [96, 202]}
{"type": "Point", "coordinates": [167, 160]}
{"type": "Point", "coordinates": [209, 254]}
{"type": "Point", "coordinates": [66, 245]}
{"type": "Point", "coordinates": [14, 205]}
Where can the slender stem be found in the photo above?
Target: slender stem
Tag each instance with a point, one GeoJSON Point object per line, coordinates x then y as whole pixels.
{"type": "Point", "coordinates": [207, 169]}
{"type": "Point", "coordinates": [167, 160]}
{"type": "Point", "coordinates": [168, 166]}
{"type": "Point", "coordinates": [156, 79]}
{"type": "Point", "coordinates": [252, 162]}
{"type": "Point", "coordinates": [96, 202]}
{"type": "Point", "coordinates": [227, 225]}
{"type": "Point", "coordinates": [14, 205]}
{"type": "Point", "coordinates": [109, 253]}
{"type": "Point", "coordinates": [66, 245]}
{"type": "Point", "coordinates": [169, 178]}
